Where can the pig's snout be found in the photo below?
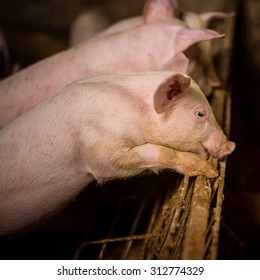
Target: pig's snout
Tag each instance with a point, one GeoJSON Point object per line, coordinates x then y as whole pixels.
{"type": "Point", "coordinates": [218, 146]}
{"type": "Point", "coordinates": [221, 149]}
{"type": "Point", "coordinates": [228, 149]}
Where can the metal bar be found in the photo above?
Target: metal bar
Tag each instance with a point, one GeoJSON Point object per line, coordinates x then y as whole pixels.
{"type": "Point", "coordinates": [104, 246]}
{"type": "Point", "coordinates": [133, 228]}
{"type": "Point", "coordinates": [151, 225]}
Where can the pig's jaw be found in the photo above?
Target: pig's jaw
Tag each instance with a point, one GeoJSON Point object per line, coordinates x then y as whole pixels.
{"type": "Point", "coordinates": [200, 150]}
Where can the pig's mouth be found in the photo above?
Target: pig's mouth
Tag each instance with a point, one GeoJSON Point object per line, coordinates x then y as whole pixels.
{"type": "Point", "coordinates": [202, 151]}
{"type": "Point", "coordinates": [219, 151]}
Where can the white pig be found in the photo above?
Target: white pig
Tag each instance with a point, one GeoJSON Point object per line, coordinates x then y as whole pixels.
{"type": "Point", "coordinates": [201, 66]}
{"type": "Point", "coordinates": [197, 61]}
{"type": "Point", "coordinates": [101, 129]}
{"type": "Point", "coordinates": [125, 52]}
{"type": "Point", "coordinates": [135, 45]}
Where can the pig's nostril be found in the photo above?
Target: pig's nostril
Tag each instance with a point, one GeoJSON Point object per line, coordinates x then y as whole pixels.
{"type": "Point", "coordinates": [230, 147]}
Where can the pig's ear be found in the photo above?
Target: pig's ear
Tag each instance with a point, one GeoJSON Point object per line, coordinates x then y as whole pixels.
{"type": "Point", "coordinates": [211, 19]}
{"type": "Point", "coordinates": [155, 10]}
{"type": "Point", "coordinates": [189, 36]}
{"type": "Point", "coordinates": [178, 63]}
{"type": "Point", "coordinates": [169, 91]}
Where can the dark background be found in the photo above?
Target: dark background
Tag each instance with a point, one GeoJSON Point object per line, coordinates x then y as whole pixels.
{"type": "Point", "coordinates": [37, 29]}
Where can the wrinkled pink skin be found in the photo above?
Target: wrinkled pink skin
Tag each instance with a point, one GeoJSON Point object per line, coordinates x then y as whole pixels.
{"type": "Point", "coordinates": [139, 44]}
{"type": "Point", "coordinates": [155, 120]}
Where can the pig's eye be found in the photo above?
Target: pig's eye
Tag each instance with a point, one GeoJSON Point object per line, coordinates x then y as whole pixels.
{"type": "Point", "coordinates": [200, 114]}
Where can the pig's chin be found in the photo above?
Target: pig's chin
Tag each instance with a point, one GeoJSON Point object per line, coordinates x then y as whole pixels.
{"type": "Point", "coordinates": [202, 151]}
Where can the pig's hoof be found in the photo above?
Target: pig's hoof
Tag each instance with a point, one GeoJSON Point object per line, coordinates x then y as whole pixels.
{"type": "Point", "coordinates": [204, 169]}
{"type": "Point", "coordinates": [211, 173]}
{"type": "Point", "coordinates": [208, 170]}
{"type": "Point", "coordinates": [193, 165]}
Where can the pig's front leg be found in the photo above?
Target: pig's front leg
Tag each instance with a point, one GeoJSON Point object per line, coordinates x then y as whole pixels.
{"type": "Point", "coordinates": [160, 157]}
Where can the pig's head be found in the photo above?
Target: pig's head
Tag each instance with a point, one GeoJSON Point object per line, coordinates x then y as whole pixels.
{"type": "Point", "coordinates": [187, 121]}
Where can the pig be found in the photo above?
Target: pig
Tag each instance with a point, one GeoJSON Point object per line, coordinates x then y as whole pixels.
{"type": "Point", "coordinates": [197, 60]}
{"type": "Point", "coordinates": [154, 11]}
{"type": "Point", "coordinates": [201, 66]}
{"type": "Point", "coordinates": [135, 46]}
{"type": "Point", "coordinates": [104, 128]}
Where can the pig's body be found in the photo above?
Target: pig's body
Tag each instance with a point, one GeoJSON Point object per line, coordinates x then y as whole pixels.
{"type": "Point", "coordinates": [103, 128]}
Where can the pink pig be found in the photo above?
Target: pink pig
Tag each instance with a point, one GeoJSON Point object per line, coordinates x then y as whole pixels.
{"type": "Point", "coordinates": [201, 66]}
{"type": "Point", "coordinates": [197, 61]}
{"type": "Point", "coordinates": [155, 42]}
{"type": "Point", "coordinates": [101, 129]}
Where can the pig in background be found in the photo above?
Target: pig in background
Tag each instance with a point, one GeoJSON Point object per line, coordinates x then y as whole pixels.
{"type": "Point", "coordinates": [200, 55]}
{"type": "Point", "coordinates": [155, 41]}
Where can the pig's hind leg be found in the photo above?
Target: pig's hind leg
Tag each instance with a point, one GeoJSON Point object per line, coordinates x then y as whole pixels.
{"type": "Point", "coordinates": [156, 157]}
